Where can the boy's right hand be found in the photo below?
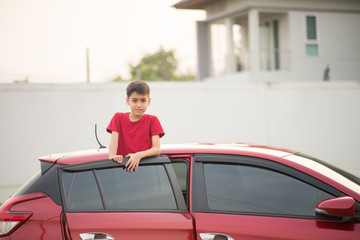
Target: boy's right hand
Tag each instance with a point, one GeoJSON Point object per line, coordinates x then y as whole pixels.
{"type": "Point", "coordinates": [117, 158]}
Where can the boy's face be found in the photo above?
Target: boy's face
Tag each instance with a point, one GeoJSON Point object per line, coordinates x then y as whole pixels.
{"type": "Point", "coordinates": [138, 104]}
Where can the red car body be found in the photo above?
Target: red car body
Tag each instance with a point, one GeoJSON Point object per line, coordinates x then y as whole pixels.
{"type": "Point", "coordinates": [48, 211]}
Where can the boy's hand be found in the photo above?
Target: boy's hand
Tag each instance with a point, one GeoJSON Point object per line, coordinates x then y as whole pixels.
{"type": "Point", "coordinates": [117, 158]}
{"type": "Point", "coordinates": [133, 162]}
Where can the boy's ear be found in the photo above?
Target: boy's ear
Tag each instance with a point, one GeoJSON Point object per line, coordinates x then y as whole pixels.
{"type": "Point", "coordinates": [127, 101]}
{"type": "Point", "coordinates": [149, 101]}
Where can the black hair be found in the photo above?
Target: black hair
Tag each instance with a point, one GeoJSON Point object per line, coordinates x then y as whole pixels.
{"type": "Point", "coordinates": [138, 86]}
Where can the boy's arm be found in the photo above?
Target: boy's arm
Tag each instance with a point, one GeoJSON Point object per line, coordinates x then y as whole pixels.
{"type": "Point", "coordinates": [133, 162]}
{"type": "Point", "coordinates": [113, 146]}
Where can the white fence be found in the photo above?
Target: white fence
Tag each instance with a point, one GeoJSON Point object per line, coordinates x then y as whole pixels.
{"type": "Point", "coordinates": [320, 119]}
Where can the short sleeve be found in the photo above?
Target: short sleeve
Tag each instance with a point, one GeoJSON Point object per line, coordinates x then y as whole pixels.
{"type": "Point", "coordinates": [156, 128]}
{"type": "Point", "coordinates": [114, 124]}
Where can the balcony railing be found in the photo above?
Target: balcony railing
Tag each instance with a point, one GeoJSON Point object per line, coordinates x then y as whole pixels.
{"type": "Point", "coordinates": [279, 60]}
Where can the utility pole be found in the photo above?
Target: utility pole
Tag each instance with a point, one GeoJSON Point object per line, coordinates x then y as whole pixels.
{"type": "Point", "coordinates": [87, 66]}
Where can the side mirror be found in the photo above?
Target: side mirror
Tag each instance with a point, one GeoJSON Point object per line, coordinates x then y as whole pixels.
{"type": "Point", "coordinates": [342, 208]}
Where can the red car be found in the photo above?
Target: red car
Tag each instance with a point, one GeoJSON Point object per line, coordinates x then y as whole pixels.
{"type": "Point", "coordinates": [193, 191]}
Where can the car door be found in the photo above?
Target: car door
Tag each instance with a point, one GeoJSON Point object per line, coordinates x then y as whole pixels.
{"type": "Point", "coordinates": [102, 200]}
{"type": "Point", "coordinates": [238, 197]}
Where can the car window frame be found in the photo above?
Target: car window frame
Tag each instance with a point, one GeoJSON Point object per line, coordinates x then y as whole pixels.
{"type": "Point", "coordinates": [108, 163]}
{"type": "Point", "coordinates": [199, 196]}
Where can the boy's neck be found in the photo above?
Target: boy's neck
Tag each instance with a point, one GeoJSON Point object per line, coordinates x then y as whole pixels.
{"type": "Point", "coordinates": [134, 118]}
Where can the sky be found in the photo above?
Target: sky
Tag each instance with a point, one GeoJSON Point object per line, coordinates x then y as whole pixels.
{"type": "Point", "coordinates": [45, 41]}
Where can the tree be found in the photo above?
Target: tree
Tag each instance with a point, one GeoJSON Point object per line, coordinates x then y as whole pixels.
{"type": "Point", "coordinates": [118, 79]}
{"type": "Point", "coordinates": [158, 66]}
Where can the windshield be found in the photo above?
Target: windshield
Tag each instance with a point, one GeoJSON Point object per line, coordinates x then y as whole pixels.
{"type": "Point", "coordinates": [326, 169]}
{"type": "Point", "coordinates": [334, 168]}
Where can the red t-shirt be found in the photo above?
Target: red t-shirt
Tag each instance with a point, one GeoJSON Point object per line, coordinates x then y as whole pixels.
{"type": "Point", "coordinates": [134, 136]}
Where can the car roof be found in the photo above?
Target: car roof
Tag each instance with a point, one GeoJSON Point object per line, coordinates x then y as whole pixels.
{"type": "Point", "coordinates": [77, 157]}
{"type": "Point", "coordinates": [284, 156]}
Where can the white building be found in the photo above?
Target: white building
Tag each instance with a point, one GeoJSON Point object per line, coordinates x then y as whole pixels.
{"type": "Point", "coordinates": [278, 40]}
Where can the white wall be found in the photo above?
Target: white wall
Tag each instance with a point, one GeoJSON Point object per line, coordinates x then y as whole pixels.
{"type": "Point", "coordinates": [321, 119]}
{"type": "Point", "coordinates": [338, 38]}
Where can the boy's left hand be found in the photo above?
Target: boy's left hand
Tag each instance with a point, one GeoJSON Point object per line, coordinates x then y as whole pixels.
{"type": "Point", "coordinates": [133, 162]}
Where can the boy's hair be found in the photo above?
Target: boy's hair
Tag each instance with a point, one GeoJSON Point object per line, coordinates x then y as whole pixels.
{"type": "Point", "coordinates": [138, 86]}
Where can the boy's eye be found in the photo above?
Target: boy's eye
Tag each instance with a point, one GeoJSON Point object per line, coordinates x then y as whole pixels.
{"type": "Point", "coordinates": [134, 100]}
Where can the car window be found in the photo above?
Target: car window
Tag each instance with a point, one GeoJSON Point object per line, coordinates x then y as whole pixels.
{"type": "Point", "coordinates": [181, 170]}
{"type": "Point", "coordinates": [146, 189]}
{"type": "Point", "coordinates": [254, 190]}
{"type": "Point", "coordinates": [114, 188]}
{"type": "Point", "coordinates": [81, 191]}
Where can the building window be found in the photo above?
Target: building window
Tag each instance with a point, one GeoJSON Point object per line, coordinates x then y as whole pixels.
{"type": "Point", "coordinates": [276, 45]}
{"type": "Point", "coordinates": [311, 43]}
{"type": "Point", "coordinates": [271, 54]}
{"type": "Point", "coordinates": [312, 50]}
{"type": "Point", "coordinates": [311, 27]}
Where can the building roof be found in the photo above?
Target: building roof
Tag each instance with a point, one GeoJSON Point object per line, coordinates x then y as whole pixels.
{"type": "Point", "coordinates": [318, 5]}
{"type": "Point", "coordinates": [194, 4]}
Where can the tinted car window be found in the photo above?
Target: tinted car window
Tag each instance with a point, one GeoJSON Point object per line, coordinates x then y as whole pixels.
{"type": "Point", "coordinates": [146, 189]}
{"type": "Point", "coordinates": [81, 191]}
{"type": "Point", "coordinates": [240, 188]}
{"type": "Point", "coordinates": [181, 171]}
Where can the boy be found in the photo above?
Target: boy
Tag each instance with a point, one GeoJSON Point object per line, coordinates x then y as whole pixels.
{"type": "Point", "coordinates": [135, 134]}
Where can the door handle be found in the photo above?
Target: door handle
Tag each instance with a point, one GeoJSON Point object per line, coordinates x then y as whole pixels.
{"type": "Point", "coordinates": [93, 236]}
{"type": "Point", "coordinates": [215, 236]}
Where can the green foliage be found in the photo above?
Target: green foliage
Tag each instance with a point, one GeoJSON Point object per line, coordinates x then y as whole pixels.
{"type": "Point", "coordinates": [184, 77]}
{"type": "Point", "coordinates": [118, 79]}
{"type": "Point", "coordinates": [159, 66]}
{"type": "Point", "coordinates": [153, 67]}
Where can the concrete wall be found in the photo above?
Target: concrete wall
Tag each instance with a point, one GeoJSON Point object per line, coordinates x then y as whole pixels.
{"type": "Point", "coordinates": [321, 119]}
